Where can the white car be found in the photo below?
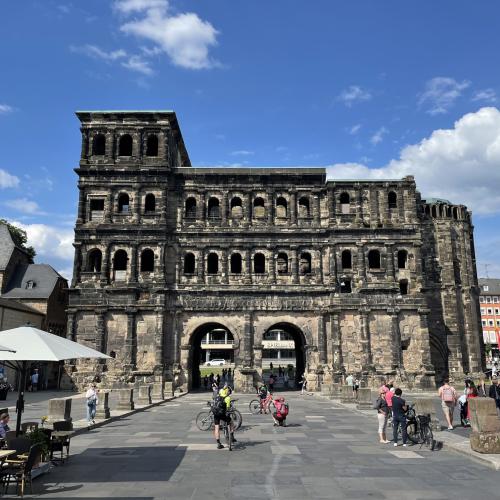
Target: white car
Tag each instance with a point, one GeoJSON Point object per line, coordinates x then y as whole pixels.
{"type": "Point", "coordinates": [216, 362]}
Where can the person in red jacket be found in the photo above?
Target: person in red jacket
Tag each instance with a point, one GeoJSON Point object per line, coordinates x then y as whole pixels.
{"type": "Point", "coordinates": [281, 411]}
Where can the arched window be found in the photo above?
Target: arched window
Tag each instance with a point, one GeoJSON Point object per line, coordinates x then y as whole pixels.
{"type": "Point", "coordinates": [99, 145]}
{"type": "Point", "coordinates": [392, 199]}
{"type": "Point", "coordinates": [448, 211]}
{"type": "Point", "coordinates": [305, 263]}
{"type": "Point", "coordinates": [402, 259]}
{"type": "Point", "coordinates": [94, 261]}
{"type": "Point", "coordinates": [150, 203]}
{"type": "Point", "coordinates": [259, 263]}
{"type": "Point", "coordinates": [213, 208]}
{"type": "Point", "coordinates": [123, 203]}
{"type": "Point", "coordinates": [147, 261]}
{"type": "Point", "coordinates": [125, 145]}
{"type": "Point", "coordinates": [190, 212]}
{"type": "Point", "coordinates": [427, 210]}
{"type": "Point", "coordinates": [236, 207]}
{"type": "Point", "coordinates": [455, 212]}
{"type": "Point", "coordinates": [434, 211]}
{"type": "Point", "coordinates": [259, 207]}
{"type": "Point", "coordinates": [346, 259]}
{"type": "Point", "coordinates": [236, 263]}
{"type": "Point", "coordinates": [345, 286]}
{"type": "Point", "coordinates": [152, 145]}
{"type": "Point", "coordinates": [282, 263]}
{"type": "Point", "coordinates": [374, 259]}
{"type": "Point", "coordinates": [304, 207]}
{"type": "Point", "coordinates": [403, 287]}
{"type": "Point", "coordinates": [212, 263]}
{"type": "Point", "coordinates": [281, 207]}
{"type": "Point", "coordinates": [120, 264]}
{"type": "Point", "coordinates": [345, 203]}
{"type": "Point", "coordinates": [189, 263]}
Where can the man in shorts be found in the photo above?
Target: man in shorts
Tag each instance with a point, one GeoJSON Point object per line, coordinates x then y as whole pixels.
{"type": "Point", "coordinates": [220, 414]}
{"type": "Point", "coordinates": [448, 397]}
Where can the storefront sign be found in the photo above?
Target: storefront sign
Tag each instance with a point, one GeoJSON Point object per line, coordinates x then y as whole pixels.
{"type": "Point", "coordinates": [278, 344]}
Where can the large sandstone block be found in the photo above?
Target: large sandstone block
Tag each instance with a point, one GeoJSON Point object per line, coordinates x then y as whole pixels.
{"type": "Point", "coordinates": [335, 392]}
{"type": "Point", "coordinates": [125, 399]}
{"type": "Point", "coordinates": [144, 395]}
{"type": "Point", "coordinates": [347, 395]}
{"type": "Point", "coordinates": [102, 410]}
{"type": "Point", "coordinates": [485, 435]}
{"type": "Point", "coordinates": [426, 406]}
{"type": "Point", "coordinates": [158, 392]}
{"type": "Point", "coordinates": [168, 388]}
{"type": "Point", "coordinates": [60, 409]}
{"type": "Point", "coordinates": [364, 399]}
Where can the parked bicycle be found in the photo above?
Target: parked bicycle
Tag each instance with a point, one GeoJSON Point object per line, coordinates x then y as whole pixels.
{"type": "Point", "coordinates": [257, 406]}
{"type": "Point", "coordinates": [205, 419]}
{"type": "Point", "coordinates": [418, 428]}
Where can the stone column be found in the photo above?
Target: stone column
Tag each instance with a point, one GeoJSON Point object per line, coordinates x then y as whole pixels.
{"type": "Point", "coordinates": [224, 208]}
{"type": "Point", "coordinates": [77, 263]}
{"type": "Point", "coordinates": [82, 206]}
{"type": "Point", "coordinates": [85, 144]}
{"type": "Point", "coordinates": [321, 253]}
{"type": "Point", "coordinates": [108, 208]}
{"type": "Point", "coordinates": [295, 266]}
{"type": "Point", "coordinates": [133, 264]}
{"type": "Point", "coordinates": [246, 346]}
{"type": "Point", "coordinates": [365, 341]}
{"type": "Point", "coordinates": [336, 335]}
{"type": "Point", "coordinates": [321, 340]}
{"type": "Point", "coordinates": [333, 266]}
{"type": "Point", "coordinates": [224, 266]}
{"type": "Point", "coordinates": [425, 379]}
{"type": "Point", "coordinates": [397, 354]}
{"type": "Point", "coordinates": [130, 340]}
{"type": "Point", "coordinates": [163, 205]}
{"type": "Point", "coordinates": [106, 257]}
{"type": "Point", "coordinates": [70, 331]}
{"type": "Point", "coordinates": [110, 144]}
{"type": "Point", "coordinates": [60, 409]}
{"type": "Point", "coordinates": [136, 205]}
{"type": "Point", "coordinates": [248, 267]}
{"type": "Point", "coordinates": [159, 339]}
{"type": "Point", "coordinates": [361, 262]}
{"type": "Point", "coordinates": [389, 250]}
{"type": "Point", "coordinates": [272, 266]}
{"type": "Point", "coordinates": [125, 399]}
{"type": "Point", "coordinates": [100, 333]}
{"type": "Point", "coordinates": [202, 209]}
{"type": "Point", "coordinates": [270, 208]}
{"type": "Point", "coordinates": [102, 409]}
{"type": "Point", "coordinates": [293, 208]}
{"type": "Point", "coordinates": [144, 395]}
{"type": "Point", "coordinates": [317, 208]}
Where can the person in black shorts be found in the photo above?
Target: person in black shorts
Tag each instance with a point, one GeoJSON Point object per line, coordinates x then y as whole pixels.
{"type": "Point", "coordinates": [220, 414]}
{"type": "Point", "coordinates": [398, 416]}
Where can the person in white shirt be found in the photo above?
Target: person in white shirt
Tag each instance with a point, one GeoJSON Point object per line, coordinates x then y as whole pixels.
{"type": "Point", "coordinates": [91, 396]}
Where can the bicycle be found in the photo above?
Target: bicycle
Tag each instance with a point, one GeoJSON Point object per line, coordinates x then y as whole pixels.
{"type": "Point", "coordinates": [205, 419]}
{"type": "Point", "coordinates": [227, 434]}
{"type": "Point", "coordinates": [418, 428]}
{"type": "Point", "coordinates": [256, 406]}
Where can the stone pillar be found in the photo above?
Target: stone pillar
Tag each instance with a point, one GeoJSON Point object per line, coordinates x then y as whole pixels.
{"type": "Point", "coordinates": [270, 208]}
{"type": "Point", "coordinates": [333, 266]}
{"type": "Point", "coordinates": [110, 145]}
{"type": "Point", "coordinates": [389, 250]}
{"type": "Point", "coordinates": [108, 208]}
{"type": "Point", "coordinates": [102, 409]}
{"type": "Point", "coordinates": [293, 208]}
{"type": "Point", "coordinates": [136, 205]}
{"type": "Point", "coordinates": [336, 343]}
{"type": "Point", "coordinates": [317, 208]}
{"type": "Point", "coordinates": [60, 409]}
{"type": "Point", "coordinates": [82, 206]}
{"type": "Point", "coordinates": [246, 344]}
{"type": "Point", "coordinates": [425, 378]}
{"type": "Point", "coordinates": [248, 267]}
{"type": "Point", "coordinates": [100, 333]}
{"type": "Point", "coordinates": [224, 208]}
{"type": "Point", "coordinates": [347, 394]}
{"type": "Point", "coordinates": [125, 399]}
{"type": "Point", "coordinates": [364, 401]}
{"type": "Point", "coordinates": [77, 263]}
{"type": "Point", "coordinates": [272, 266]}
{"type": "Point", "coordinates": [321, 339]}
{"type": "Point", "coordinates": [106, 258]}
{"type": "Point", "coordinates": [361, 263]}
{"type": "Point", "coordinates": [295, 266]}
{"type": "Point", "coordinates": [159, 339]}
{"type": "Point", "coordinates": [84, 152]}
{"type": "Point", "coordinates": [365, 341]}
{"type": "Point", "coordinates": [201, 266]}
{"type": "Point", "coordinates": [158, 392]}
{"type": "Point", "coordinates": [70, 330]}
{"type": "Point", "coordinates": [202, 209]}
{"type": "Point", "coordinates": [168, 388]}
{"type": "Point", "coordinates": [130, 340]}
{"type": "Point", "coordinates": [163, 205]}
{"type": "Point", "coordinates": [144, 398]}
{"type": "Point", "coordinates": [485, 435]}
{"type": "Point", "coordinates": [133, 264]}
{"type": "Point", "coordinates": [397, 353]}
{"type": "Point", "coordinates": [224, 266]}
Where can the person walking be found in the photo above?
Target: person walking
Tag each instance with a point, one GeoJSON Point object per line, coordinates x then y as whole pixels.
{"type": "Point", "coordinates": [471, 393]}
{"type": "Point", "coordinates": [481, 388]}
{"type": "Point", "coordinates": [382, 414]}
{"type": "Point", "coordinates": [285, 379]}
{"type": "Point", "coordinates": [448, 397]}
{"type": "Point", "coordinates": [205, 382]}
{"type": "Point", "coordinates": [303, 381]}
{"type": "Point", "coordinates": [34, 380]}
{"type": "Point", "coordinates": [91, 396]}
{"type": "Point", "coordinates": [355, 387]}
{"type": "Point", "coordinates": [349, 380]}
{"type": "Point", "coordinates": [494, 393]}
{"type": "Point", "coordinates": [398, 416]}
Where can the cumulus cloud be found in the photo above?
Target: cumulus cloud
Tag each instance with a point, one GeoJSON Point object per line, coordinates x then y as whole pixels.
{"type": "Point", "coordinates": [8, 180]}
{"type": "Point", "coordinates": [97, 53]}
{"type": "Point", "coordinates": [137, 63]}
{"type": "Point", "coordinates": [354, 94]}
{"type": "Point", "coordinates": [378, 136]}
{"type": "Point", "coordinates": [50, 241]}
{"type": "Point", "coordinates": [440, 94]}
{"type": "Point", "coordinates": [485, 95]}
{"type": "Point", "coordinates": [184, 37]}
{"type": "Point", "coordinates": [460, 164]}
{"type": "Point", "coordinates": [24, 206]}
{"type": "Point", "coordinates": [5, 109]}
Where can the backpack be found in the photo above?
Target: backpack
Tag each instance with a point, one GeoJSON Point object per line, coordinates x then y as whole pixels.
{"type": "Point", "coordinates": [219, 407]}
{"type": "Point", "coordinates": [283, 411]}
{"type": "Point", "coordinates": [448, 395]}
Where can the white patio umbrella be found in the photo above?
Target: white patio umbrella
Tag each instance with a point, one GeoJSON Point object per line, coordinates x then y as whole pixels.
{"type": "Point", "coordinates": [26, 344]}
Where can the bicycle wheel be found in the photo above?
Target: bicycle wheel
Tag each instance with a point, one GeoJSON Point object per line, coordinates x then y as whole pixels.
{"type": "Point", "coordinates": [412, 432]}
{"type": "Point", "coordinates": [254, 406]}
{"type": "Point", "coordinates": [236, 418]}
{"type": "Point", "coordinates": [227, 435]}
{"type": "Point", "coordinates": [428, 437]}
{"type": "Point", "coordinates": [204, 420]}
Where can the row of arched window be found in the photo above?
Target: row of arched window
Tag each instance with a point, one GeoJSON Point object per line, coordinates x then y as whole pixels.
{"type": "Point", "coordinates": [124, 203]}
{"type": "Point", "coordinates": [259, 206]}
{"type": "Point", "coordinates": [125, 145]}
{"type": "Point", "coordinates": [120, 261]}
{"type": "Point", "coordinates": [442, 211]}
{"type": "Point", "coordinates": [374, 259]}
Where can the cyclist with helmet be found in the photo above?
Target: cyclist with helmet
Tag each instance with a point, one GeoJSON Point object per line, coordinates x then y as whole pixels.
{"type": "Point", "coordinates": [220, 408]}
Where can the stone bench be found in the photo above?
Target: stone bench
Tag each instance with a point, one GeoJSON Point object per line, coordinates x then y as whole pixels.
{"type": "Point", "coordinates": [485, 435]}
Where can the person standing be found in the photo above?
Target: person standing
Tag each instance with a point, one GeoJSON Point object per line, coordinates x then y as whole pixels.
{"type": "Point", "coordinates": [382, 414]}
{"type": "Point", "coordinates": [303, 381]}
{"type": "Point", "coordinates": [285, 379]}
{"type": "Point", "coordinates": [398, 416]}
{"type": "Point", "coordinates": [205, 382]}
{"type": "Point", "coordinates": [448, 397]}
{"type": "Point", "coordinates": [481, 388]}
{"type": "Point", "coordinates": [271, 366]}
{"type": "Point", "coordinates": [349, 380]}
{"type": "Point", "coordinates": [494, 393]}
{"type": "Point", "coordinates": [34, 380]}
{"type": "Point", "coordinates": [471, 393]}
{"type": "Point", "coordinates": [355, 387]}
{"type": "Point", "coordinates": [91, 396]}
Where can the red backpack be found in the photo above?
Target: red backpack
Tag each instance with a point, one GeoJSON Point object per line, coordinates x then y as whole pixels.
{"type": "Point", "coordinates": [282, 410]}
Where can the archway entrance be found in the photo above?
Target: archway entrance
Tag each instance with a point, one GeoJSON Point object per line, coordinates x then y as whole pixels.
{"type": "Point", "coordinates": [284, 346]}
{"type": "Point", "coordinates": [212, 346]}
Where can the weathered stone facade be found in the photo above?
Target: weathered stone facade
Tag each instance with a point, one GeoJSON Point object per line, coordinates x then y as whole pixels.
{"type": "Point", "coordinates": [368, 277]}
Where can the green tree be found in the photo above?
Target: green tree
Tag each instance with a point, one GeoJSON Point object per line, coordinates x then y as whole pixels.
{"type": "Point", "coordinates": [20, 239]}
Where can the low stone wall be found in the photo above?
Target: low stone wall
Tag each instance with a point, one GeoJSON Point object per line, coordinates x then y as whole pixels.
{"type": "Point", "coordinates": [485, 435]}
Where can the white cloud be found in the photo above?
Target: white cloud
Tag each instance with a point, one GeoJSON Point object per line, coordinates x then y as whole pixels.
{"type": "Point", "coordinates": [97, 53]}
{"type": "Point", "coordinates": [354, 129]}
{"type": "Point", "coordinates": [354, 94]}
{"type": "Point", "coordinates": [49, 241]}
{"type": "Point", "coordinates": [137, 63]}
{"type": "Point", "coordinates": [66, 272]}
{"type": "Point", "coordinates": [184, 37]}
{"type": "Point", "coordinates": [24, 206]}
{"type": "Point", "coordinates": [8, 180]}
{"type": "Point", "coordinates": [460, 164]}
{"type": "Point", "coordinates": [485, 95]}
{"type": "Point", "coordinates": [378, 136]}
{"type": "Point", "coordinates": [440, 94]}
{"type": "Point", "coordinates": [5, 109]}
{"type": "Point", "coordinates": [242, 152]}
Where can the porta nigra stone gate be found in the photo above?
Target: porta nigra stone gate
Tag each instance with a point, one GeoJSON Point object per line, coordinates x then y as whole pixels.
{"type": "Point", "coordinates": [366, 277]}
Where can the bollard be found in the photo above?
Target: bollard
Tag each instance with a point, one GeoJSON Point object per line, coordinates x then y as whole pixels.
{"type": "Point", "coordinates": [168, 388]}
{"type": "Point", "coordinates": [60, 409]}
{"type": "Point", "coordinates": [326, 390]}
{"type": "Point", "coordinates": [335, 394]}
{"type": "Point", "coordinates": [425, 406]}
{"type": "Point", "coordinates": [485, 435]}
{"type": "Point", "coordinates": [125, 399]}
{"type": "Point", "coordinates": [102, 410]}
{"type": "Point", "coordinates": [347, 394]}
{"type": "Point", "coordinates": [364, 401]}
{"type": "Point", "coordinates": [157, 392]}
{"type": "Point", "coordinates": [144, 395]}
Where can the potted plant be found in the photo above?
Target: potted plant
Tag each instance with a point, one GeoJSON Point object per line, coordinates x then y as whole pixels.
{"type": "Point", "coordinates": [38, 436]}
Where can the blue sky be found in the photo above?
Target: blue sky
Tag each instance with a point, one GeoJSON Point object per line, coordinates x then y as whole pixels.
{"type": "Point", "coordinates": [364, 88]}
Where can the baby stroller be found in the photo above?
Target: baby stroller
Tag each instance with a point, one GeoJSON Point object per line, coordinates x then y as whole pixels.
{"type": "Point", "coordinates": [462, 405]}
